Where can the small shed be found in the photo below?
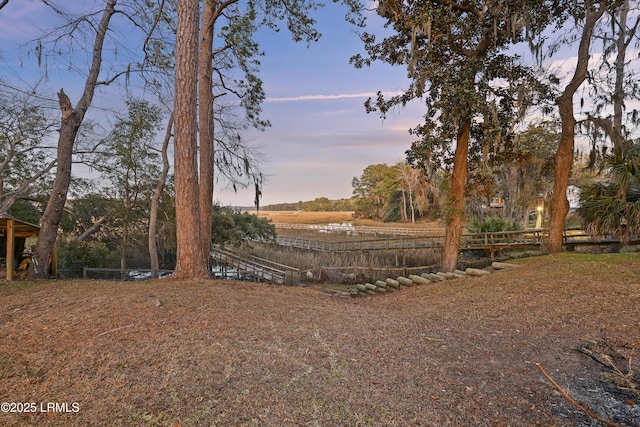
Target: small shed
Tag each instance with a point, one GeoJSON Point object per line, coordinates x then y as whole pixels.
{"type": "Point", "coordinates": [13, 235]}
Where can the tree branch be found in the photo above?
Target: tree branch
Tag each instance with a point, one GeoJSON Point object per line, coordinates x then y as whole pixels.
{"type": "Point", "coordinates": [453, 5]}
{"type": "Point", "coordinates": [96, 225]}
{"type": "Point", "coordinates": [574, 403]}
{"type": "Point", "coordinates": [153, 27]}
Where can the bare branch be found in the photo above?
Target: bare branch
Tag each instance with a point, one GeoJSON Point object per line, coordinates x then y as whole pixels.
{"type": "Point", "coordinates": [574, 403]}
{"type": "Point", "coordinates": [145, 45]}
{"type": "Point", "coordinates": [96, 225]}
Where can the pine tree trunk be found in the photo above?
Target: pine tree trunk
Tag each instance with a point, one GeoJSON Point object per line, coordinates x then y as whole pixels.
{"type": "Point", "coordinates": [190, 260]}
{"type": "Point", "coordinates": [206, 128]}
{"type": "Point", "coordinates": [456, 199]}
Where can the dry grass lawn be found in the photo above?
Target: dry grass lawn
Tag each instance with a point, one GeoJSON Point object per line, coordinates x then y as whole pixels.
{"type": "Point", "coordinates": [214, 353]}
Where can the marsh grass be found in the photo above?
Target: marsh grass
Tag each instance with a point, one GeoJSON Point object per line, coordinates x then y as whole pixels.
{"type": "Point", "coordinates": [350, 266]}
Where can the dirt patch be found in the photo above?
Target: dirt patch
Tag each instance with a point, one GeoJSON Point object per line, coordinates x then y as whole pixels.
{"type": "Point", "coordinates": [463, 352]}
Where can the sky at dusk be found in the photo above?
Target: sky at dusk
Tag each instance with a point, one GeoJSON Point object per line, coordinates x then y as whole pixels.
{"type": "Point", "coordinates": [320, 135]}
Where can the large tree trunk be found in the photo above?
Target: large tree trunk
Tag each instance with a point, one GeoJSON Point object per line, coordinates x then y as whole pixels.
{"type": "Point", "coordinates": [53, 212]}
{"type": "Point", "coordinates": [206, 127]}
{"type": "Point", "coordinates": [190, 262]}
{"type": "Point", "coordinates": [456, 199]}
{"type": "Point", "coordinates": [155, 200]}
{"type": "Point", "coordinates": [71, 120]}
{"type": "Point", "coordinates": [559, 206]}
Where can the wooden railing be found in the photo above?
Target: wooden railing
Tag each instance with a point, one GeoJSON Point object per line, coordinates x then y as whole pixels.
{"type": "Point", "coordinates": [507, 238]}
{"type": "Point", "coordinates": [361, 245]}
{"type": "Point", "coordinates": [260, 268]}
{"type": "Point", "coordinates": [489, 240]}
{"type": "Point", "coordinates": [531, 237]}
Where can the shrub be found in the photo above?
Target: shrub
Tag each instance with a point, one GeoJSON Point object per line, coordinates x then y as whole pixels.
{"type": "Point", "coordinates": [491, 225]}
{"type": "Point", "coordinates": [74, 255]}
{"type": "Point", "coordinates": [231, 228]}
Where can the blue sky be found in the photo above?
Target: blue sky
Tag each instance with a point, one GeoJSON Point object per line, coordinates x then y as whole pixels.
{"type": "Point", "coordinates": [321, 136]}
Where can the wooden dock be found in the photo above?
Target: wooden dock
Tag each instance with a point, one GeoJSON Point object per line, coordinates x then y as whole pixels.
{"type": "Point", "coordinates": [261, 269]}
{"type": "Point", "coordinates": [491, 243]}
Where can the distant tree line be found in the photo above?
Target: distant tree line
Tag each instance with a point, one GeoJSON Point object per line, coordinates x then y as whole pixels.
{"type": "Point", "coordinates": [511, 185]}
{"type": "Point", "coordinates": [319, 204]}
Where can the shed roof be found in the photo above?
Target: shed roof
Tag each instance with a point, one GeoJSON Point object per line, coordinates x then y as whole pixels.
{"type": "Point", "coordinates": [20, 228]}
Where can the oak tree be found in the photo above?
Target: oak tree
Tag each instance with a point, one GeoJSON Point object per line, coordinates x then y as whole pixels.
{"type": "Point", "coordinates": [26, 158]}
{"type": "Point", "coordinates": [130, 165]}
{"type": "Point", "coordinates": [559, 206]}
{"type": "Point", "coordinates": [454, 51]}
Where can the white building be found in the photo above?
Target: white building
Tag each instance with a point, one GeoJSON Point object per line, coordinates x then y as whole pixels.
{"type": "Point", "coordinates": [573, 195]}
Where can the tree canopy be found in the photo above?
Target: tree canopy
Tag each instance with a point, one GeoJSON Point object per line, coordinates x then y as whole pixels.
{"type": "Point", "coordinates": [456, 55]}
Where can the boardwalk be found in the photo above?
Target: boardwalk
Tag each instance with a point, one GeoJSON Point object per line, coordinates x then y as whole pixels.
{"type": "Point", "coordinates": [362, 245]}
{"type": "Point", "coordinates": [489, 242]}
{"type": "Point", "coordinates": [261, 269]}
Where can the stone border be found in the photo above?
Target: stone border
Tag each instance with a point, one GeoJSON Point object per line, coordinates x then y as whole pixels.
{"type": "Point", "coordinates": [399, 283]}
